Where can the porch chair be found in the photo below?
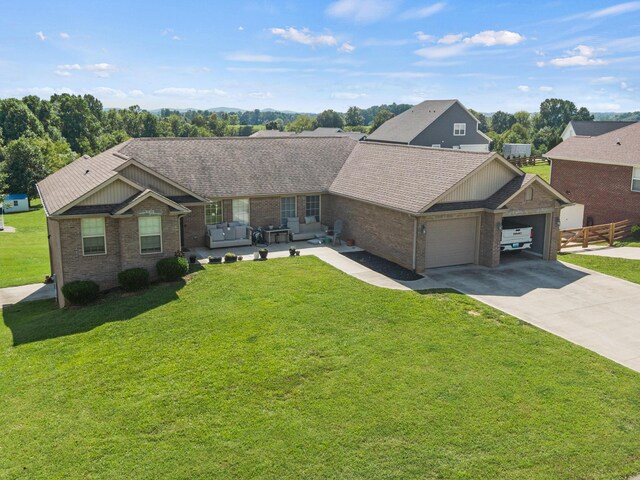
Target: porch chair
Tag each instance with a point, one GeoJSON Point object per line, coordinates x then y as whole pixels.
{"type": "Point", "coordinates": [336, 236]}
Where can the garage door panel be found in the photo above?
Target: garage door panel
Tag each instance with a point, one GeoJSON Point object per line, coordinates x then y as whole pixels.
{"type": "Point", "coordinates": [451, 242]}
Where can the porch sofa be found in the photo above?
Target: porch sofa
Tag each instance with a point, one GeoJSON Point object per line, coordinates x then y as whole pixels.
{"type": "Point", "coordinates": [231, 234]}
{"type": "Point", "coordinates": [311, 228]}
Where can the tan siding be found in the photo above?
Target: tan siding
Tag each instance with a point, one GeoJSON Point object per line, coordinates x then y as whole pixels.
{"type": "Point", "coordinates": [150, 181]}
{"type": "Point", "coordinates": [482, 184]}
{"type": "Point", "coordinates": [115, 192]}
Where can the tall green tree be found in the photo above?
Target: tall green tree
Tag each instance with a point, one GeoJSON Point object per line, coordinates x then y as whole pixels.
{"type": "Point", "coordinates": [502, 121]}
{"type": "Point", "coordinates": [523, 118]}
{"type": "Point", "coordinates": [381, 117]}
{"type": "Point", "coordinates": [23, 166]}
{"type": "Point", "coordinates": [354, 117]}
{"type": "Point", "coordinates": [16, 120]}
{"type": "Point", "coordinates": [557, 113]}
{"type": "Point", "coordinates": [483, 122]}
{"type": "Point", "coordinates": [330, 118]}
{"type": "Point", "coordinates": [301, 123]}
{"type": "Point", "coordinates": [79, 126]}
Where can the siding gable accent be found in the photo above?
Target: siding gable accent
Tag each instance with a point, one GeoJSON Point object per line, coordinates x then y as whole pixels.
{"type": "Point", "coordinates": [154, 181]}
{"type": "Point", "coordinates": [481, 184]}
{"type": "Point", "coordinates": [113, 193]}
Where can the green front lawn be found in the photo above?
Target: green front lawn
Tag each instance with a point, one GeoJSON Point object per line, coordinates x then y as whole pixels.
{"type": "Point", "coordinates": [543, 171]}
{"type": "Point", "coordinates": [616, 267]}
{"type": "Point", "coordinates": [24, 255]}
{"type": "Point", "coordinates": [628, 242]}
{"type": "Point", "coordinates": [291, 369]}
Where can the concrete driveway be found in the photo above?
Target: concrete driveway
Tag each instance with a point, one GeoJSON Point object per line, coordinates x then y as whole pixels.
{"type": "Point", "coordinates": [599, 312]}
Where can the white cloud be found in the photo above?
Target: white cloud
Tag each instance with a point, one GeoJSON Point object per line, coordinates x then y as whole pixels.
{"type": "Point", "coordinates": [348, 95]}
{"type": "Point", "coordinates": [240, 28]}
{"type": "Point", "coordinates": [176, 37]}
{"type": "Point", "coordinates": [540, 64]}
{"type": "Point", "coordinates": [108, 92]}
{"type": "Point", "coordinates": [304, 36]}
{"type": "Point", "coordinates": [545, 88]}
{"type": "Point", "coordinates": [605, 80]}
{"type": "Point", "coordinates": [65, 70]}
{"type": "Point", "coordinates": [441, 52]}
{"type": "Point", "coordinates": [191, 93]}
{"type": "Point", "coordinates": [346, 47]}
{"type": "Point", "coordinates": [261, 95]}
{"type": "Point", "coordinates": [361, 11]}
{"type": "Point", "coordinates": [250, 57]}
{"type": "Point", "coordinates": [62, 73]}
{"type": "Point", "coordinates": [64, 35]}
{"type": "Point", "coordinates": [451, 38]}
{"type": "Point", "coordinates": [41, 36]}
{"type": "Point", "coordinates": [424, 37]}
{"type": "Point", "coordinates": [101, 70]}
{"type": "Point", "coordinates": [626, 87]}
{"type": "Point", "coordinates": [616, 10]}
{"type": "Point", "coordinates": [136, 93]}
{"type": "Point", "coordinates": [523, 88]}
{"type": "Point", "coordinates": [489, 38]}
{"type": "Point", "coordinates": [423, 12]}
{"type": "Point", "coordinates": [580, 56]}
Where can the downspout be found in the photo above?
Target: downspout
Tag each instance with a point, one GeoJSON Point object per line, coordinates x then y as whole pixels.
{"type": "Point", "coordinates": [415, 243]}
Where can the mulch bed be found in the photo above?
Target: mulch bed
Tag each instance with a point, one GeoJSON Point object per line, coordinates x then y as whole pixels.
{"type": "Point", "coordinates": [380, 265]}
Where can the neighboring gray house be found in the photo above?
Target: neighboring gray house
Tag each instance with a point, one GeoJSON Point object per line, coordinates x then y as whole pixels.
{"type": "Point", "coordinates": [584, 128]}
{"type": "Point", "coordinates": [434, 123]}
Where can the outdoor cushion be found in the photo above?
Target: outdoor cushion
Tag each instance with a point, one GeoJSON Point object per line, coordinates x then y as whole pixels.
{"type": "Point", "coordinates": [311, 219]}
{"type": "Point", "coordinates": [217, 234]}
{"type": "Point", "coordinates": [234, 224]}
{"type": "Point", "coordinates": [221, 225]}
{"type": "Point", "coordinates": [293, 225]}
{"type": "Point", "coordinates": [229, 234]}
{"type": "Point", "coordinates": [241, 232]}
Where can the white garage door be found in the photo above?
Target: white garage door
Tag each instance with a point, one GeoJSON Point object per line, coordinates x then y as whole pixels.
{"type": "Point", "coordinates": [451, 242]}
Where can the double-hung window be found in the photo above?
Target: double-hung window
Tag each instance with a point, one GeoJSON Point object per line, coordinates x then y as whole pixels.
{"type": "Point", "coordinates": [459, 129]}
{"type": "Point", "coordinates": [93, 236]}
{"type": "Point", "coordinates": [150, 231]}
{"type": "Point", "coordinates": [635, 180]}
{"type": "Point", "coordinates": [287, 209]}
{"type": "Point", "coordinates": [213, 213]}
{"type": "Point", "coordinates": [312, 207]}
{"type": "Point", "coordinates": [241, 210]}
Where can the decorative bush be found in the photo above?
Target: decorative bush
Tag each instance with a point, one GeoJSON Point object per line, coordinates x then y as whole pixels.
{"type": "Point", "coordinates": [80, 292]}
{"type": "Point", "coordinates": [172, 268]}
{"type": "Point", "coordinates": [635, 231]}
{"type": "Point", "coordinates": [230, 257]}
{"type": "Point", "coordinates": [134, 279]}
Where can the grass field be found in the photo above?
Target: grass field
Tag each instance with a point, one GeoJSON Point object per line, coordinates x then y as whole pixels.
{"type": "Point", "coordinates": [291, 369]}
{"type": "Point", "coordinates": [24, 255]}
{"type": "Point", "coordinates": [628, 242]}
{"type": "Point", "coordinates": [616, 267]}
{"type": "Point", "coordinates": [543, 171]}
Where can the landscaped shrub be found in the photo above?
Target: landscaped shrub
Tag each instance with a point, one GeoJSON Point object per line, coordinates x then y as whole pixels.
{"type": "Point", "coordinates": [134, 279]}
{"type": "Point", "coordinates": [635, 231]}
{"type": "Point", "coordinates": [80, 292]}
{"type": "Point", "coordinates": [230, 257]}
{"type": "Point", "coordinates": [172, 268]}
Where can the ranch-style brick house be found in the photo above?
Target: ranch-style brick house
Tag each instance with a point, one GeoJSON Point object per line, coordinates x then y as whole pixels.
{"type": "Point", "coordinates": [602, 173]}
{"type": "Point", "coordinates": [419, 207]}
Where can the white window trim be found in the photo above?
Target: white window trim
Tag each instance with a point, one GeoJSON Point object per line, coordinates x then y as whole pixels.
{"type": "Point", "coordinates": [295, 206]}
{"type": "Point", "coordinates": [154, 235]}
{"type": "Point", "coordinates": [319, 205]}
{"type": "Point", "coordinates": [204, 212]}
{"type": "Point", "coordinates": [233, 213]}
{"type": "Point", "coordinates": [635, 171]}
{"type": "Point", "coordinates": [456, 126]}
{"type": "Point", "coordinates": [94, 236]}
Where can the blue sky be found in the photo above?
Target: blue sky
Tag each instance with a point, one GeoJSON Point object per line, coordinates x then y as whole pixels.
{"type": "Point", "coordinates": [312, 55]}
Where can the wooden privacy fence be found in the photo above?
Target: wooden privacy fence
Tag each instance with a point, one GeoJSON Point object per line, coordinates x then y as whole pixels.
{"type": "Point", "coordinates": [528, 161]}
{"type": "Point", "coordinates": [582, 237]}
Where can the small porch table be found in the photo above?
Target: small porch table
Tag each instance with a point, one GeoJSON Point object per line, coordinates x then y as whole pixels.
{"type": "Point", "coordinates": [277, 232]}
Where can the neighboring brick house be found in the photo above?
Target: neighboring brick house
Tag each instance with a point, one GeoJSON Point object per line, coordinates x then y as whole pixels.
{"type": "Point", "coordinates": [434, 123]}
{"type": "Point", "coordinates": [602, 173]}
{"type": "Point", "coordinates": [419, 207]}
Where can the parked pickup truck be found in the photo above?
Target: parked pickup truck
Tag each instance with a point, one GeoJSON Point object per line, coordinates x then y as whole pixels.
{"type": "Point", "coordinates": [515, 236]}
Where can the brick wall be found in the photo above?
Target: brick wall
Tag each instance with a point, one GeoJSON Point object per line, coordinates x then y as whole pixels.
{"type": "Point", "coordinates": [265, 211]}
{"type": "Point", "coordinates": [490, 237]}
{"type": "Point", "coordinates": [604, 190]}
{"type": "Point", "coordinates": [194, 227]}
{"type": "Point", "coordinates": [381, 231]}
{"type": "Point", "coordinates": [123, 247]}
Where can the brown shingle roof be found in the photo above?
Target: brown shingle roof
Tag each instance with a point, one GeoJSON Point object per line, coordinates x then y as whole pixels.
{"type": "Point", "coordinates": [244, 166]}
{"type": "Point", "coordinates": [603, 148]}
{"type": "Point", "coordinates": [78, 178]}
{"type": "Point", "coordinates": [403, 177]}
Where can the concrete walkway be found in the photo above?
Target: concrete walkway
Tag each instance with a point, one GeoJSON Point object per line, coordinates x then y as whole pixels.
{"type": "Point", "coordinates": [596, 311]}
{"type": "Point", "coordinates": [26, 293]}
{"type": "Point", "coordinates": [630, 253]}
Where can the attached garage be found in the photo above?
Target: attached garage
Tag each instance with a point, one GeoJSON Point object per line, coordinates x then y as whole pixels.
{"type": "Point", "coordinates": [539, 224]}
{"type": "Point", "coordinates": [451, 242]}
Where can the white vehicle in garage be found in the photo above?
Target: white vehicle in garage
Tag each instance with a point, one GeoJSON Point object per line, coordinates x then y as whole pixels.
{"type": "Point", "coordinates": [515, 236]}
